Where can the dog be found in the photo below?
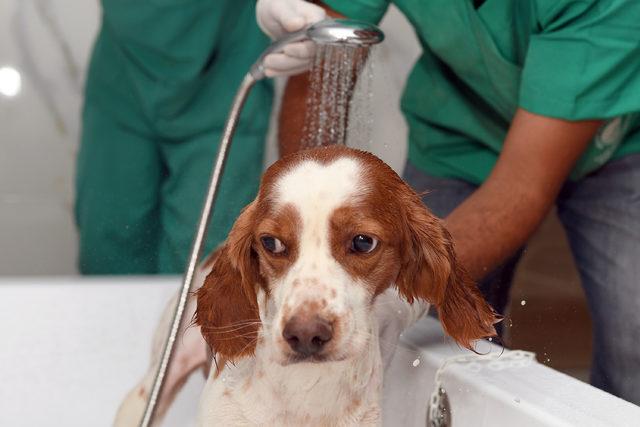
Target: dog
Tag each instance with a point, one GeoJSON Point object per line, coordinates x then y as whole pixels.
{"type": "Point", "coordinates": [290, 303]}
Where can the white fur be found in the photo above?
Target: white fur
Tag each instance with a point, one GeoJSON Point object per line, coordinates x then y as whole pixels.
{"type": "Point", "coordinates": [316, 191]}
{"type": "Point", "coordinates": [261, 392]}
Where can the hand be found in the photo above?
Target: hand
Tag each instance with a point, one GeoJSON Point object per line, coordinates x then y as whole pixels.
{"type": "Point", "coordinates": [279, 17]}
{"type": "Point", "coordinates": [394, 314]}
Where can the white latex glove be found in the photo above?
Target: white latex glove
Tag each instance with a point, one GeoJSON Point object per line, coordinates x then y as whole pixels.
{"type": "Point", "coordinates": [394, 314]}
{"type": "Point", "coordinates": [279, 17]}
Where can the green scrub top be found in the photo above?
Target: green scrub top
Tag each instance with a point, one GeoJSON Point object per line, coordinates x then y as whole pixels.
{"type": "Point", "coordinates": [162, 77]}
{"type": "Point", "coordinates": [568, 59]}
{"type": "Point", "coordinates": [172, 67]}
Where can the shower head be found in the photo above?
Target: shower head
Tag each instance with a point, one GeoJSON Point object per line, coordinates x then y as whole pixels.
{"type": "Point", "coordinates": [346, 32]}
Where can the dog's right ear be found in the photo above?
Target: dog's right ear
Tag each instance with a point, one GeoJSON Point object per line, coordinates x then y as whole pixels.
{"type": "Point", "coordinates": [227, 307]}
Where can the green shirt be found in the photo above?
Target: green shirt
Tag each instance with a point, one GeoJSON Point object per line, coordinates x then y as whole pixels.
{"type": "Point", "coordinates": [569, 59]}
{"type": "Point", "coordinates": [172, 68]}
{"type": "Point", "coordinates": [162, 77]}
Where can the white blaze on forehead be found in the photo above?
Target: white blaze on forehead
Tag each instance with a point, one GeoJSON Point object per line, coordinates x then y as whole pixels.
{"type": "Point", "coordinates": [317, 189]}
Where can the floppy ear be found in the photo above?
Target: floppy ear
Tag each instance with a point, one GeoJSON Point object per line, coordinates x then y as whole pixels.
{"type": "Point", "coordinates": [227, 307]}
{"type": "Point", "coordinates": [430, 272]}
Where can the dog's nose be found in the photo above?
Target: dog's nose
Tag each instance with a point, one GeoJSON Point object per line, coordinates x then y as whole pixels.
{"type": "Point", "coordinates": [307, 336]}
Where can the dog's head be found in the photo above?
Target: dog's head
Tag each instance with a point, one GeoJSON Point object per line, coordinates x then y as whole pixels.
{"type": "Point", "coordinates": [331, 229]}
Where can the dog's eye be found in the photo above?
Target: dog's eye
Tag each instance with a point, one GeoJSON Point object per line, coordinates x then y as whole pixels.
{"type": "Point", "coordinates": [272, 244]}
{"type": "Point", "coordinates": [363, 244]}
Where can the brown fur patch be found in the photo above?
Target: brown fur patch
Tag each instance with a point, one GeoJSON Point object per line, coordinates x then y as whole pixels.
{"type": "Point", "coordinates": [353, 405]}
{"type": "Point", "coordinates": [227, 309]}
{"type": "Point", "coordinates": [283, 223]}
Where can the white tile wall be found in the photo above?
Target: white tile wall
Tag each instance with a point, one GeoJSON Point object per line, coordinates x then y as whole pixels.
{"type": "Point", "coordinates": [47, 42]}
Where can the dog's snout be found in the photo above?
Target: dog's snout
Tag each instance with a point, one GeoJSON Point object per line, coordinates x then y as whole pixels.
{"type": "Point", "coordinates": [307, 336]}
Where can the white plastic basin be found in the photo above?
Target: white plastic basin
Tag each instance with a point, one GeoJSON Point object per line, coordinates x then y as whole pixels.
{"type": "Point", "coordinates": [70, 348]}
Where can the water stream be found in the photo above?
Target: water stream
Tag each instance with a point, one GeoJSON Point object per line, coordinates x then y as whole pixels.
{"type": "Point", "coordinates": [338, 109]}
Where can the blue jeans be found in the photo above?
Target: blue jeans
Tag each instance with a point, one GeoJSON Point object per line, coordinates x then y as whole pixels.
{"type": "Point", "coordinates": [601, 215]}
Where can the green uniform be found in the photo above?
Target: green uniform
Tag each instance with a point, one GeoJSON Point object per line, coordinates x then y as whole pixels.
{"type": "Point", "coordinates": [569, 59]}
{"type": "Point", "coordinates": [162, 77]}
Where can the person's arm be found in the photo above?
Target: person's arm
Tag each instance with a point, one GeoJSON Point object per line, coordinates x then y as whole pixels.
{"type": "Point", "coordinates": [498, 218]}
{"type": "Point", "coordinates": [292, 113]}
{"type": "Point", "coordinates": [294, 105]}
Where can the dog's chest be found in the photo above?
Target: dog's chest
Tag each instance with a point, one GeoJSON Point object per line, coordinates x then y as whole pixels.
{"type": "Point", "coordinates": [251, 394]}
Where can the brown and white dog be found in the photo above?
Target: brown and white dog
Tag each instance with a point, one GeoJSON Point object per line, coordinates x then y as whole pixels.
{"type": "Point", "coordinates": [291, 306]}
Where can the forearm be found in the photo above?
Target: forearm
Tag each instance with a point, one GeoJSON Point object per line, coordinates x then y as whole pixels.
{"type": "Point", "coordinates": [496, 220]}
{"type": "Point", "coordinates": [487, 229]}
{"type": "Point", "coordinates": [292, 114]}
{"type": "Point", "coordinates": [294, 105]}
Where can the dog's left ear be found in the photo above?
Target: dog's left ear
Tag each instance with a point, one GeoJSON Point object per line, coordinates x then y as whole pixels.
{"type": "Point", "coordinates": [431, 272]}
{"type": "Point", "coordinates": [227, 308]}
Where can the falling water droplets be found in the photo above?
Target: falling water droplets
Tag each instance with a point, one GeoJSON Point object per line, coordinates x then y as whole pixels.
{"type": "Point", "coordinates": [339, 76]}
{"type": "Point", "coordinates": [361, 111]}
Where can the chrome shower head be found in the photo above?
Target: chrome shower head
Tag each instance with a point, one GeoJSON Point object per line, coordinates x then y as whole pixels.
{"type": "Point", "coordinates": [345, 31]}
{"type": "Point", "coordinates": [329, 31]}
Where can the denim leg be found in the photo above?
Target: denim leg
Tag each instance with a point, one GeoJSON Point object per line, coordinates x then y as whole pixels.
{"type": "Point", "coordinates": [444, 195]}
{"type": "Point", "coordinates": [601, 215]}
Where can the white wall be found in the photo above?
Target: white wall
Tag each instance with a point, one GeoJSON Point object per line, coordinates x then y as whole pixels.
{"type": "Point", "coordinates": [48, 42]}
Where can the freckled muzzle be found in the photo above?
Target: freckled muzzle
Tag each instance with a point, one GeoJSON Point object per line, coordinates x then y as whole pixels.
{"type": "Point", "coordinates": [310, 321]}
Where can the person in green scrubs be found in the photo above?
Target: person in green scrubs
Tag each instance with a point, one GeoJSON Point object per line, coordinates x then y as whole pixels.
{"type": "Point", "coordinates": [514, 107]}
{"type": "Point", "coordinates": [161, 80]}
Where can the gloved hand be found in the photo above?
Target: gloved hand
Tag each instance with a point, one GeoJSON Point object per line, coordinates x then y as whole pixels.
{"type": "Point", "coordinates": [394, 314]}
{"type": "Point", "coordinates": [279, 17]}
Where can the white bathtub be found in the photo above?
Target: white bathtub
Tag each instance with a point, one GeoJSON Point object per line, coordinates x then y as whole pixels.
{"type": "Point", "coordinates": [71, 347]}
